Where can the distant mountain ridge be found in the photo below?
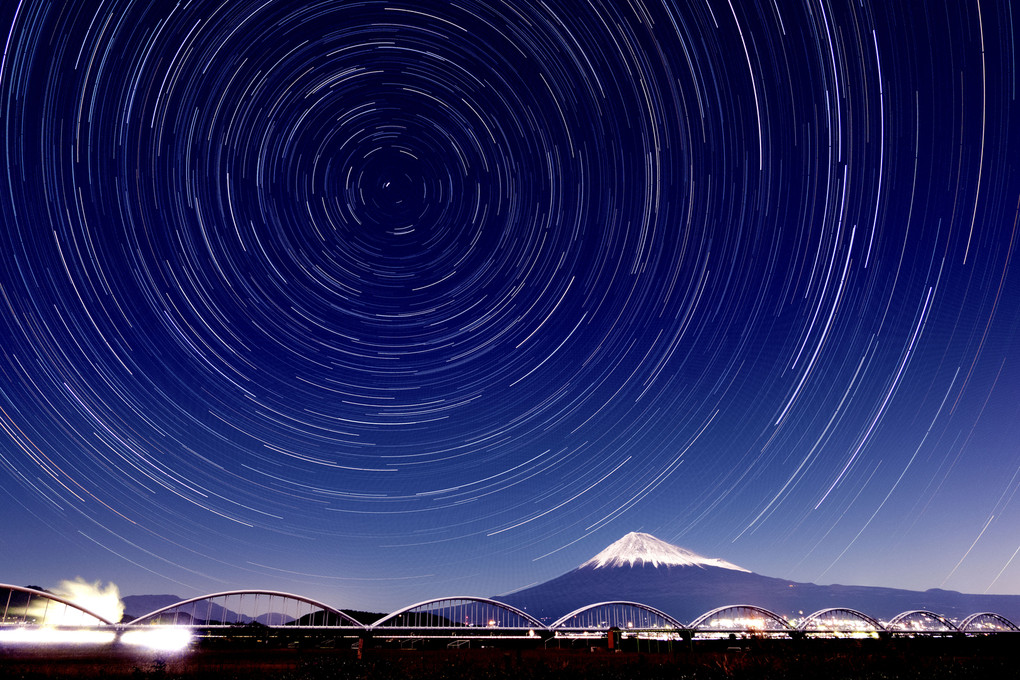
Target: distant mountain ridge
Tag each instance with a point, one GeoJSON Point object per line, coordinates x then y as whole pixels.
{"type": "Point", "coordinates": [642, 568]}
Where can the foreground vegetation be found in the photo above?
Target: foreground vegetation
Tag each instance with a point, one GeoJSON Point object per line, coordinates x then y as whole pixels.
{"type": "Point", "coordinates": [989, 658]}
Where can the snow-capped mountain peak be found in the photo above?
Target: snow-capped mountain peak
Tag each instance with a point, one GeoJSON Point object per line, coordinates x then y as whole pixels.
{"type": "Point", "coordinates": [640, 548]}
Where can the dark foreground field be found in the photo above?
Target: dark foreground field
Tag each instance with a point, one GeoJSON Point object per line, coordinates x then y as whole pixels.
{"type": "Point", "coordinates": [988, 659]}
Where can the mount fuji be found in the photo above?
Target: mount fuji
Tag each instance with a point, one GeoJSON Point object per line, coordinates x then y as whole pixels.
{"type": "Point", "coordinates": [642, 568]}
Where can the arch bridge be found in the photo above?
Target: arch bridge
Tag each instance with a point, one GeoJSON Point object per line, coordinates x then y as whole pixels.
{"type": "Point", "coordinates": [627, 616]}
{"type": "Point", "coordinates": [840, 620]}
{"type": "Point", "coordinates": [468, 617]}
{"type": "Point", "coordinates": [921, 621]}
{"type": "Point", "coordinates": [987, 622]}
{"type": "Point", "coordinates": [461, 616]}
{"type": "Point", "coordinates": [741, 618]}
{"type": "Point", "coordinates": [249, 607]}
{"type": "Point", "coordinates": [28, 606]}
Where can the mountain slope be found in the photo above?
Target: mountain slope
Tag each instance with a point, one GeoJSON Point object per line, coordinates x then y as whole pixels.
{"type": "Point", "coordinates": [641, 568]}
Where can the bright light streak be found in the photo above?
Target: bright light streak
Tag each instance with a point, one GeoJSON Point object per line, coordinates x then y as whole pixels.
{"type": "Point", "coordinates": [158, 639]}
{"type": "Point", "coordinates": [55, 636]}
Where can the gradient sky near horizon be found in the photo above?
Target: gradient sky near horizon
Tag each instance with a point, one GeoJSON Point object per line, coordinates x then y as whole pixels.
{"type": "Point", "coordinates": [377, 301]}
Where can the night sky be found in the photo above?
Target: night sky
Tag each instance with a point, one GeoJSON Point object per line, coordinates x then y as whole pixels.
{"type": "Point", "coordinates": [376, 301]}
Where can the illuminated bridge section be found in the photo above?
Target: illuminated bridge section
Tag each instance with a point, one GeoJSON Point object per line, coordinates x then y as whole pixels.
{"type": "Point", "coordinates": [249, 608]}
{"type": "Point", "coordinates": [741, 618]}
{"type": "Point", "coordinates": [840, 621]}
{"type": "Point", "coordinates": [988, 622]}
{"type": "Point", "coordinates": [468, 613]}
{"type": "Point", "coordinates": [920, 621]}
{"type": "Point", "coordinates": [26, 606]}
{"type": "Point", "coordinates": [623, 615]}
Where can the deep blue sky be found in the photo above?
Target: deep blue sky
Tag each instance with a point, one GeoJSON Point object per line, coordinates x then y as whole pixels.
{"type": "Point", "coordinates": [380, 301]}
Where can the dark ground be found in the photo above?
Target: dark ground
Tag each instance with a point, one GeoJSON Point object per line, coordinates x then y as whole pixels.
{"type": "Point", "coordinates": [927, 659]}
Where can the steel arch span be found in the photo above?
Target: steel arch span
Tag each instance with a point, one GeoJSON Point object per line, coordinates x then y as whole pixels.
{"type": "Point", "coordinates": [615, 614]}
{"type": "Point", "coordinates": [920, 621]}
{"type": "Point", "coordinates": [741, 618]}
{"type": "Point", "coordinates": [30, 606]}
{"type": "Point", "coordinates": [987, 622]}
{"type": "Point", "coordinates": [459, 612]}
{"type": "Point", "coordinates": [840, 620]}
{"type": "Point", "coordinates": [240, 607]}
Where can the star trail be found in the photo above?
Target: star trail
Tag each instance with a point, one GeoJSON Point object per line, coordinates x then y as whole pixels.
{"type": "Point", "coordinates": [376, 301]}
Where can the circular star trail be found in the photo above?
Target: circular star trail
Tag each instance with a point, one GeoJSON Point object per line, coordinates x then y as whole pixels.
{"type": "Point", "coordinates": [326, 286]}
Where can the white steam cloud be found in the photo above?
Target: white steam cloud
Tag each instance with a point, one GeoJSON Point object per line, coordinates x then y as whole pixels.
{"type": "Point", "coordinates": [104, 601]}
